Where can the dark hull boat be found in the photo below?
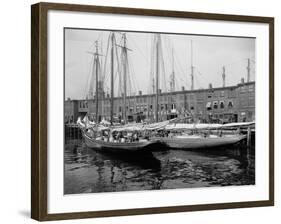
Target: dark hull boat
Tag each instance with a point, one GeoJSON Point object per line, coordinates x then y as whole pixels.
{"type": "Point", "coordinates": [117, 147]}
{"type": "Point", "coordinates": [199, 142]}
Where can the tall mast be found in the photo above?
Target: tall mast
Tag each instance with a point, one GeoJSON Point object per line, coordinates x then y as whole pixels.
{"type": "Point", "coordinates": [192, 67]}
{"type": "Point", "coordinates": [124, 77]}
{"type": "Point", "coordinates": [112, 77]}
{"type": "Point", "coordinates": [97, 80]}
{"type": "Point", "coordinates": [157, 76]}
{"type": "Point", "coordinates": [172, 82]}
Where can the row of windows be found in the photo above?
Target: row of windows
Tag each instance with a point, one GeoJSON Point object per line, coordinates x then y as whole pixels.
{"type": "Point", "coordinates": [83, 104]}
{"type": "Point", "coordinates": [250, 88]}
{"type": "Point", "coordinates": [217, 105]}
{"type": "Point", "coordinates": [145, 108]}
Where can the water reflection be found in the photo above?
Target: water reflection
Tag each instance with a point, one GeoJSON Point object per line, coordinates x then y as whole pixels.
{"type": "Point", "coordinates": [88, 171]}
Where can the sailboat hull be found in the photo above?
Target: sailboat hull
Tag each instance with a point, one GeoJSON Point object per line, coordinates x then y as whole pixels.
{"type": "Point", "coordinates": [117, 147]}
{"type": "Point", "coordinates": [197, 142]}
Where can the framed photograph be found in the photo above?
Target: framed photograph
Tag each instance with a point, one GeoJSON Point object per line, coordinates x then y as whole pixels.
{"type": "Point", "coordinates": [140, 111]}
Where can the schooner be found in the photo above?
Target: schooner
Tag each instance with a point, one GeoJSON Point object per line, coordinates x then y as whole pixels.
{"type": "Point", "coordinates": [185, 137]}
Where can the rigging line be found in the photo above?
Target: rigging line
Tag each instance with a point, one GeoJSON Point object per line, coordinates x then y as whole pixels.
{"type": "Point", "coordinates": [201, 76]}
{"type": "Point", "coordinates": [152, 62]}
{"type": "Point", "coordinates": [100, 34]}
{"type": "Point", "coordinates": [129, 81]}
{"type": "Point", "coordinates": [134, 85]}
{"type": "Point", "coordinates": [105, 60]}
{"type": "Point", "coordinates": [163, 66]}
{"type": "Point", "coordinates": [196, 69]}
{"type": "Point", "coordinates": [118, 72]}
{"type": "Point", "coordinates": [178, 65]}
{"type": "Point", "coordinates": [108, 77]}
{"type": "Point", "coordinates": [108, 74]}
{"type": "Point", "coordinates": [139, 49]}
{"type": "Point", "coordinates": [131, 78]}
{"type": "Point", "coordinates": [89, 80]}
{"type": "Point", "coordinates": [131, 67]}
{"type": "Point", "coordinates": [198, 81]}
{"type": "Point", "coordinates": [179, 69]}
{"type": "Point", "coordinates": [169, 57]}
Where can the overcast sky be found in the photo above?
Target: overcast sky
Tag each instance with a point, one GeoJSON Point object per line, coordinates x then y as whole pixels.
{"type": "Point", "coordinates": [210, 54]}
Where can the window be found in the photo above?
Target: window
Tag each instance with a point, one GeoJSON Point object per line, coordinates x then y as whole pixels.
{"type": "Point", "coordinates": [215, 103]}
{"type": "Point", "coordinates": [209, 106]}
{"type": "Point", "coordinates": [230, 104]}
{"type": "Point", "coordinates": [251, 88]}
{"type": "Point", "coordinates": [221, 104]}
{"type": "Point", "coordinates": [222, 93]}
{"type": "Point", "coordinates": [209, 96]}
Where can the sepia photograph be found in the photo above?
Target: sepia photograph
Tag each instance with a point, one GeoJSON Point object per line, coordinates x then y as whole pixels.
{"type": "Point", "coordinates": [156, 111]}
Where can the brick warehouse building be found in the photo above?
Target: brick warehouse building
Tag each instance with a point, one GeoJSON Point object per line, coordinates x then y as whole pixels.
{"type": "Point", "coordinates": [212, 105]}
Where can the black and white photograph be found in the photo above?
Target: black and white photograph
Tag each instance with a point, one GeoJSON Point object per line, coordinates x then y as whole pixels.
{"type": "Point", "coordinates": [156, 111]}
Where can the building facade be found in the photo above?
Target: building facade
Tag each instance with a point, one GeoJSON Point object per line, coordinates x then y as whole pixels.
{"type": "Point", "coordinates": [212, 105]}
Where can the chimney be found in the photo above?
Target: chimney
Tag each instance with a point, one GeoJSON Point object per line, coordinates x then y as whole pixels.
{"type": "Point", "coordinates": [210, 86]}
{"type": "Point", "coordinates": [242, 80]}
{"type": "Point", "coordinates": [140, 93]}
{"type": "Point", "coordinates": [182, 88]}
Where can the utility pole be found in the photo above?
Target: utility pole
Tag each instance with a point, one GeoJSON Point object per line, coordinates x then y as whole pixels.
{"type": "Point", "coordinates": [248, 70]}
{"type": "Point", "coordinates": [112, 77]}
{"type": "Point", "coordinates": [192, 67]}
{"type": "Point", "coordinates": [223, 76]}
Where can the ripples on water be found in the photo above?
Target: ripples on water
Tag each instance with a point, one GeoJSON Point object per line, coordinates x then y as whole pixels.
{"type": "Point", "coordinates": [88, 171]}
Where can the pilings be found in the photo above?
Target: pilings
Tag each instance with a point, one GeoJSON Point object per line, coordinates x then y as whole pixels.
{"type": "Point", "coordinates": [72, 131]}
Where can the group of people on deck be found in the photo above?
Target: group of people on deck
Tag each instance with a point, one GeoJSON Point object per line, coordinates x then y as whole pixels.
{"type": "Point", "coordinates": [117, 136]}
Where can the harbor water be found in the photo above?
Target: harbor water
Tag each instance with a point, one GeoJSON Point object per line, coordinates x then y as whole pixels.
{"type": "Point", "coordinates": [90, 171]}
